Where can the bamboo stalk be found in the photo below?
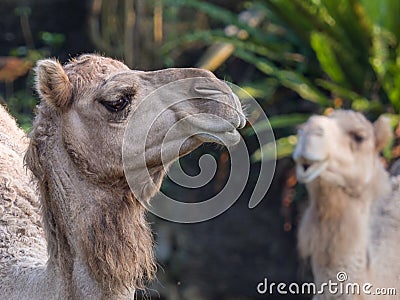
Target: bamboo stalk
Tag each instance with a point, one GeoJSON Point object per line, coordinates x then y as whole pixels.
{"type": "Point", "coordinates": [158, 22]}
{"type": "Point", "coordinates": [129, 32]}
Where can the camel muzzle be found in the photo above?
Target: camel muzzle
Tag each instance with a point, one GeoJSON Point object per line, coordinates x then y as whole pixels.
{"type": "Point", "coordinates": [309, 154]}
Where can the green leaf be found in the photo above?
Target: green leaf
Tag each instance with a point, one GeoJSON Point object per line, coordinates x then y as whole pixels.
{"type": "Point", "coordinates": [52, 39]}
{"type": "Point", "coordinates": [276, 122]}
{"type": "Point", "coordinates": [282, 121]}
{"type": "Point", "coordinates": [358, 101]}
{"type": "Point", "coordinates": [289, 79]}
{"type": "Point", "coordinates": [300, 84]}
{"type": "Point", "coordinates": [384, 13]}
{"type": "Point", "coordinates": [284, 148]}
{"type": "Point", "coordinates": [263, 89]}
{"type": "Point", "coordinates": [323, 48]}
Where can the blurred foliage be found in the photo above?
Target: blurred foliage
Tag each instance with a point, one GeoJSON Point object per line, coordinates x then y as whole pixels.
{"type": "Point", "coordinates": [111, 27]}
{"type": "Point", "coordinates": [335, 53]}
{"type": "Point", "coordinates": [22, 104]}
{"type": "Point", "coordinates": [15, 69]}
{"type": "Point", "coordinates": [128, 29]}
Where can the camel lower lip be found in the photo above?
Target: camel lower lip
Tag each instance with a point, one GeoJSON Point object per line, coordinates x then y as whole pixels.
{"type": "Point", "coordinates": [228, 138]}
{"type": "Point", "coordinates": [311, 173]}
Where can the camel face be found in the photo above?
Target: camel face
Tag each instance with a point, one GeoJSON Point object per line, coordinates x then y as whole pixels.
{"type": "Point", "coordinates": [94, 98]}
{"type": "Point", "coordinates": [340, 149]}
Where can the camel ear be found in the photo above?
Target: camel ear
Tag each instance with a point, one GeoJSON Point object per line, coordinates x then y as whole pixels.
{"type": "Point", "coordinates": [383, 132]}
{"type": "Point", "coordinates": [52, 83]}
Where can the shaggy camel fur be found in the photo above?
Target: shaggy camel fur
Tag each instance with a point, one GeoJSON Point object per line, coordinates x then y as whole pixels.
{"type": "Point", "coordinates": [352, 223]}
{"type": "Point", "coordinates": [99, 244]}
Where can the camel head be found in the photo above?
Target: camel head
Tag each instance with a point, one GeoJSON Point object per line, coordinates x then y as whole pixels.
{"type": "Point", "coordinates": [341, 149]}
{"type": "Point", "coordinates": [92, 98]}
{"type": "Point", "coordinates": [88, 111]}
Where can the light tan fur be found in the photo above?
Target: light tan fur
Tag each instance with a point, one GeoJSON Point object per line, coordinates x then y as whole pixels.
{"type": "Point", "coordinates": [99, 244]}
{"type": "Point", "coordinates": [352, 223]}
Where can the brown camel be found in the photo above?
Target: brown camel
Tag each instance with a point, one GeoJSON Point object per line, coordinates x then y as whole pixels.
{"type": "Point", "coordinates": [99, 244]}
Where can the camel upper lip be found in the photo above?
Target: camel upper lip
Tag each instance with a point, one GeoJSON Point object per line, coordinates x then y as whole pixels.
{"type": "Point", "coordinates": [226, 133]}
{"type": "Point", "coordinates": [228, 138]}
{"type": "Point", "coordinates": [307, 170]}
{"type": "Point", "coordinates": [238, 107]}
{"type": "Point", "coordinates": [217, 124]}
{"type": "Point", "coordinates": [242, 121]}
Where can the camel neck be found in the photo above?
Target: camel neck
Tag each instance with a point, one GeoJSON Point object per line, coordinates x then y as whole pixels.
{"type": "Point", "coordinates": [98, 238]}
{"type": "Point", "coordinates": [335, 229]}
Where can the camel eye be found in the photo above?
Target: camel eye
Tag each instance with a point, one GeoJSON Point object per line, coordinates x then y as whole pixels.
{"type": "Point", "coordinates": [358, 138]}
{"type": "Point", "coordinates": [117, 105]}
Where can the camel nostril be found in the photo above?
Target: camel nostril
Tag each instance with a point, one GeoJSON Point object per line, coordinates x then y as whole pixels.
{"type": "Point", "coordinates": [306, 166]}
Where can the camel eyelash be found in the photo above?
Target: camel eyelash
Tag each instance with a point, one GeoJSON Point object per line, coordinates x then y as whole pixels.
{"type": "Point", "coordinates": [117, 105]}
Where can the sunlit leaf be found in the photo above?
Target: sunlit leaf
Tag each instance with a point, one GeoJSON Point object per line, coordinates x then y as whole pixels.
{"type": "Point", "coordinates": [289, 79]}
{"type": "Point", "coordinates": [284, 148]}
{"type": "Point", "coordinates": [276, 122]}
{"type": "Point", "coordinates": [324, 50]}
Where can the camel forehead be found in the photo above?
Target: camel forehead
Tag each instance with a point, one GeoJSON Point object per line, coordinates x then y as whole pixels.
{"type": "Point", "coordinates": [351, 121]}
{"type": "Point", "coordinates": [338, 123]}
{"type": "Point", "coordinates": [345, 121]}
{"type": "Point", "coordinates": [91, 69]}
